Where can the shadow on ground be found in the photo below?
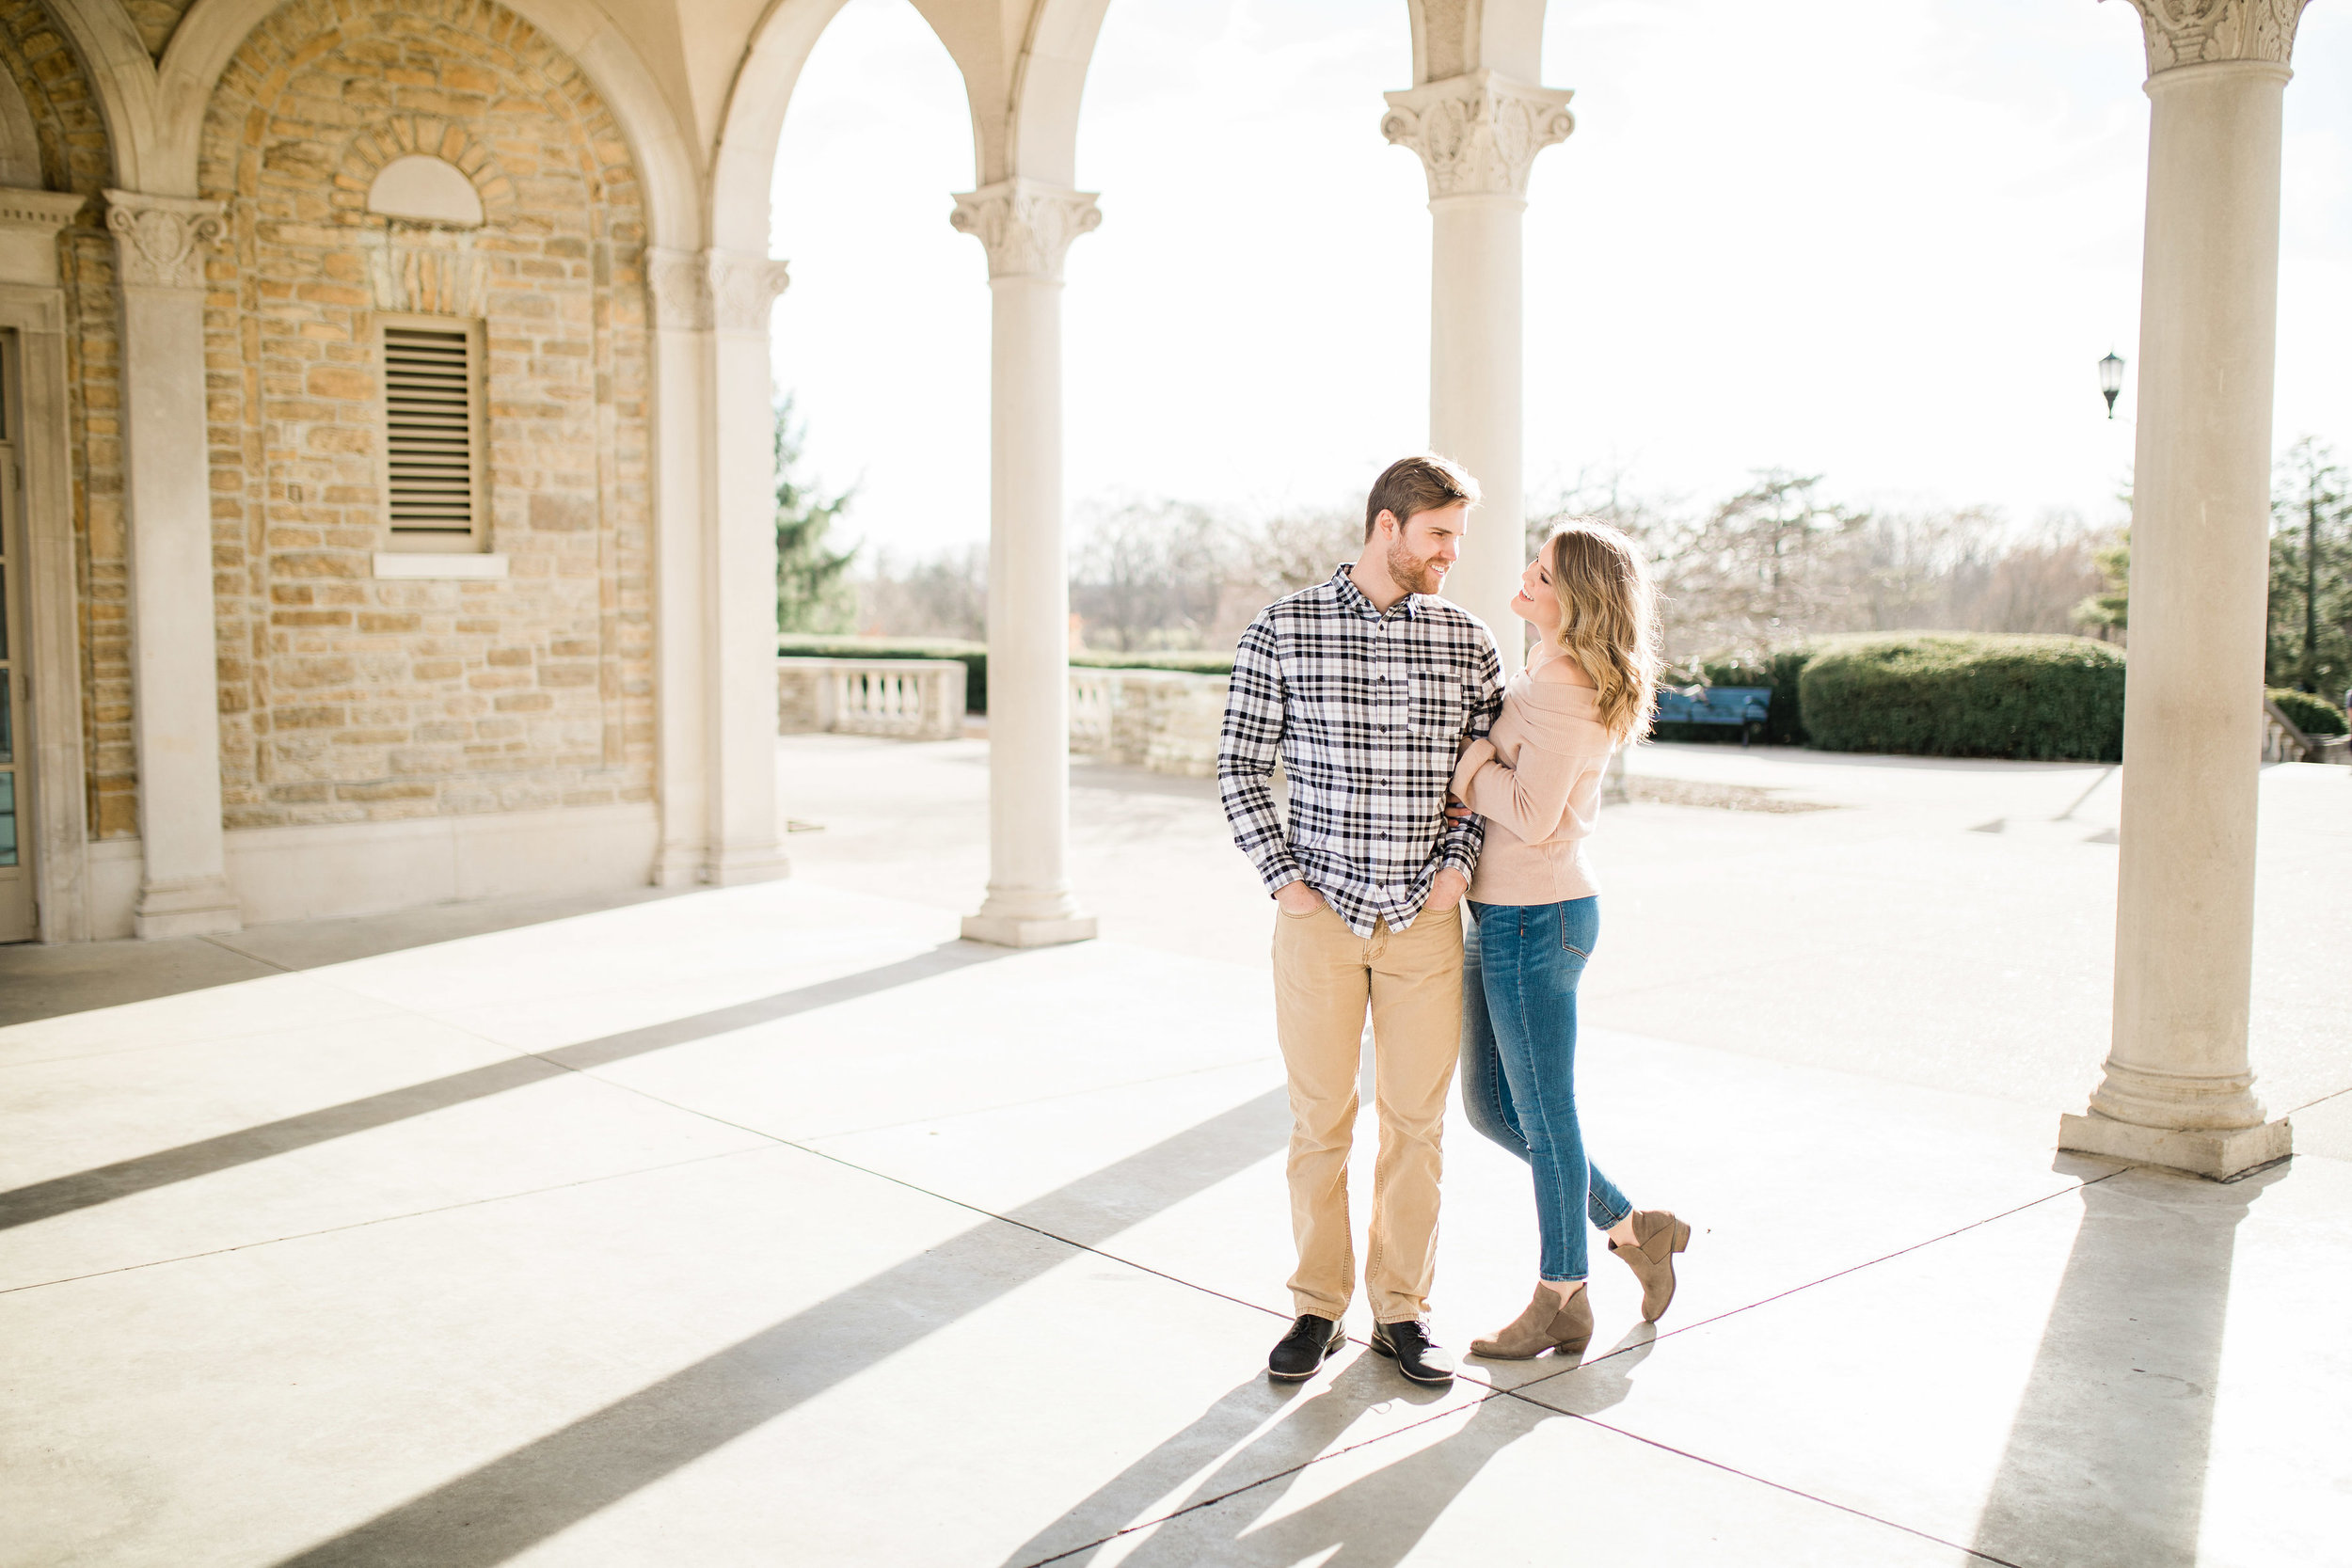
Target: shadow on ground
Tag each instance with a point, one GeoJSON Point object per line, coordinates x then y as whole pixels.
{"type": "Point", "coordinates": [2105, 1466]}
{"type": "Point", "coordinates": [86, 1189]}
{"type": "Point", "coordinates": [525, 1496]}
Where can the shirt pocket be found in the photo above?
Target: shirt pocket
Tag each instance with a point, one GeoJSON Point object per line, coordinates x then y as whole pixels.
{"type": "Point", "coordinates": [1435, 706]}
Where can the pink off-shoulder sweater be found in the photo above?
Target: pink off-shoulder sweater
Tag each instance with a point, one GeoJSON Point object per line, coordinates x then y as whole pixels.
{"type": "Point", "coordinates": [1536, 781]}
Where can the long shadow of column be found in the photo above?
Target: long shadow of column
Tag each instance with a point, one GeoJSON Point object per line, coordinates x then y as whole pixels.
{"type": "Point", "coordinates": [525, 1496]}
{"type": "Point", "coordinates": [2105, 1466]}
{"type": "Point", "coordinates": [84, 1189]}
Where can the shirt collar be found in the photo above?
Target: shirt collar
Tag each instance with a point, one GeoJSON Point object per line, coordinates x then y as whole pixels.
{"type": "Point", "coordinates": [1344, 582]}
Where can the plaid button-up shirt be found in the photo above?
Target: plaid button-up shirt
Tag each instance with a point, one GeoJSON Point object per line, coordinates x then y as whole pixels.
{"type": "Point", "coordinates": [1366, 712]}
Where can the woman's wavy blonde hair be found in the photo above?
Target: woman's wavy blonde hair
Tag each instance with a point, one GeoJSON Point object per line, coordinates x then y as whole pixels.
{"type": "Point", "coordinates": [1608, 620]}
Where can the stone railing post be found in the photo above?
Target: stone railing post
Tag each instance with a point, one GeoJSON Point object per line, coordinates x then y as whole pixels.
{"type": "Point", "coordinates": [2178, 1088]}
{"type": "Point", "coordinates": [1027, 228]}
{"type": "Point", "coordinates": [175, 688]}
{"type": "Point", "coordinates": [1478, 135]}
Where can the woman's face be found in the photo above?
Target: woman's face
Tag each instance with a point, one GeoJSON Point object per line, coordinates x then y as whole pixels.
{"type": "Point", "coordinates": [1535, 603]}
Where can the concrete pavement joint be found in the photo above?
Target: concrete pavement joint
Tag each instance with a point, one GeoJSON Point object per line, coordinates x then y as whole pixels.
{"type": "Point", "coordinates": [1777, 1486]}
{"type": "Point", "coordinates": [380, 1219]}
{"type": "Point", "coordinates": [1827, 1278]}
{"type": "Point", "coordinates": [1045, 1098]}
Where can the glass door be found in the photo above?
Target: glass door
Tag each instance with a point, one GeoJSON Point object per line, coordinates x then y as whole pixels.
{"type": "Point", "coordinates": [17, 914]}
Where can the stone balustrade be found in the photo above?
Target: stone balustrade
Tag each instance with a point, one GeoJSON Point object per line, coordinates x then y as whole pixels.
{"type": "Point", "coordinates": [2284, 741]}
{"type": "Point", "coordinates": [910, 699]}
{"type": "Point", "coordinates": [1162, 720]}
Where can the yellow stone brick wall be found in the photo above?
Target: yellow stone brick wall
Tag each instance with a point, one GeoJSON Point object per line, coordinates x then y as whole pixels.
{"type": "Point", "coordinates": [345, 697]}
{"type": "Point", "coordinates": [75, 157]}
{"type": "Point", "coordinates": [156, 19]}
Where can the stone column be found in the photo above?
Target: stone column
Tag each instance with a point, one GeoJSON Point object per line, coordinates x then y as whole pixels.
{"type": "Point", "coordinates": [677, 288]}
{"type": "Point", "coordinates": [1027, 228]}
{"type": "Point", "coordinates": [738, 590]}
{"type": "Point", "coordinates": [175, 688]}
{"type": "Point", "coordinates": [1478, 135]}
{"type": "Point", "coordinates": [2178, 1088]}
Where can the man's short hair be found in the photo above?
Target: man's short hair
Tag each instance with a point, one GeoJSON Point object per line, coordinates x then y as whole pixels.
{"type": "Point", "coordinates": [1413, 485]}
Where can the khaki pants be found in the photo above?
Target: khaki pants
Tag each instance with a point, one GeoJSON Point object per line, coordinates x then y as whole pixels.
{"type": "Point", "coordinates": [1324, 975]}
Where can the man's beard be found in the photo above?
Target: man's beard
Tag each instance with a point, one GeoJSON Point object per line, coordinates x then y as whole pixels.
{"type": "Point", "coordinates": [1413, 574]}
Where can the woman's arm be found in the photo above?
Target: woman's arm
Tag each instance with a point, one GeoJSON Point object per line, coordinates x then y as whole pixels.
{"type": "Point", "coordinates": [1530, 799]}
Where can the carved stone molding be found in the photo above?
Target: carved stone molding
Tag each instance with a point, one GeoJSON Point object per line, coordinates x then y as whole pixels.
{"type": "Point", "coordinates": [2201, 32]}
{"type": "Point", "coordinates": [680, 287]}
{"type": "Point", "coordinates": [741, 289]}
{"type": "Point", "coordinates": [44, 211]}
{"type": "Point", "coordinates": [1478, 133]}
{"type": "Point", "coordinates": [435, 273]}
{"type": "Point", "coordinates": [161, 239]}
{"type": "Point", "coordinates": [1024, 227]}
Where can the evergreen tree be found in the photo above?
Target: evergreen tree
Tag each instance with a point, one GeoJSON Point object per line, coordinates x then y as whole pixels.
{"type": "Point", "coordinates": [812, 591]}
{"type": "Point", "coordinates": [2310, 572]}
{"type": "Point", "coordinates": [2111, 611]}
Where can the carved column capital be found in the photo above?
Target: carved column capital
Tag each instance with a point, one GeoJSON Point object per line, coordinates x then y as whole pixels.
{"type": "Point", "coordinates": [2204, 32]}
{"type": "Point", "coordinates": [739, 289]}
{"type": "Point", "coordinates": [677, 290]}
{"type": "Point", "coordinates": [1026, 227]}
{"type": "Point", "coordinates": [1478, 133]}
{"type": "Point", "coordinates": [161, 239]}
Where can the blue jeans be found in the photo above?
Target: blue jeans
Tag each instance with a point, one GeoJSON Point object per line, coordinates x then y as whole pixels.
{"type": "Point", "coordinates": [1520, 963]}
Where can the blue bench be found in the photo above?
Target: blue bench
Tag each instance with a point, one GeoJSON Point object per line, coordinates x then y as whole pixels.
{"type": "Point", "coordinates": [1743, 706]}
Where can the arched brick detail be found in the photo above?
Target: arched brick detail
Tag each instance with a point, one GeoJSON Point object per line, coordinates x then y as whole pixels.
{"type": "Point", "coordinates": [345, 697]}
{"type": "Point", "coordinates": [403, 136]}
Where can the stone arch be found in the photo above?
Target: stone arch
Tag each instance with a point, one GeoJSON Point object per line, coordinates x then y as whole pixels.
{"type": "Point", "coordinates": [435, 136]}
{"type": "Point", "coordinates": [1047, 87]}
{"type": "Point", "coordinates": [1024, 111]}
{"type": "Point", "coordinates": [1453, 36]}
{"type": "Point", "coordinates": [346, 695]}
{"type": "Point", "coordinates": [743, 167]}
{"type": "Point", "coordinates": [214, 32]}
{"type": "Point", "coordinates": [20, 143]}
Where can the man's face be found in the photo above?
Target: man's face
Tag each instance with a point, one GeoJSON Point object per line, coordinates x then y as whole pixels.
{"type": "Point", "coordinates": [1425, 548]}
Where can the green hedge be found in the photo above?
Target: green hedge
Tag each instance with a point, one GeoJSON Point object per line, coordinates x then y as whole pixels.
{"type": "Point", "coordinates": [1958, 695]}
{"type": "Point", "coordinates": [2311, 715]}
{"type": "Point", "coordinates": [973, 658]}
{"type": "Point", "coordinates": [1194, 661]}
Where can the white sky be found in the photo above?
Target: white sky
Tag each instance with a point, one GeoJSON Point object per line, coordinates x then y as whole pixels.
{"type": "Point", "coordinates": [1882, 240]}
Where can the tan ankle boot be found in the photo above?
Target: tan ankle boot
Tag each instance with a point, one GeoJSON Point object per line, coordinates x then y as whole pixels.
{"type": "Point", "coordinates": [1548, 1323]}
{"type": "Point", "coordinates": [1658, 1236]}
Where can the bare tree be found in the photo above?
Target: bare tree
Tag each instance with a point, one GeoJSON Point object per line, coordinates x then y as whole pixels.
{"type": "Point", "coordinates": [1152, 573]}
{"type": "Point", "coordinates": [1772, 565]}
{"type": "Point", "coordinates": [1299, 548]}
{"type": "Point", "coordinates": [945, 594]}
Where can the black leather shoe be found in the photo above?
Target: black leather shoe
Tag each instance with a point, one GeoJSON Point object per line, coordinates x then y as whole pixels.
{"type": "Point", "coordinates": [1310, 1343]}
{"type": "Point", "coordinates": [1416, 1355]}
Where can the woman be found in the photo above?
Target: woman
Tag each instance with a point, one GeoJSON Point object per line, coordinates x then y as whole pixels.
{"type": "Point", "coordinates": [1588, 689]}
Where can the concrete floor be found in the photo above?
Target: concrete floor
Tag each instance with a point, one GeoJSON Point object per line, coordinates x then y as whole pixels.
{"type": "Point", "coordinates": [775, 1226]}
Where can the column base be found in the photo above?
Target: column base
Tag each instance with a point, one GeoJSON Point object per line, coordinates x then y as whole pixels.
{"type": "Point", "coordinates": [677, 866]}
{"type": "Point", "coordinates": [1005, 930]}
{"type": "Point", "coordinates": [200, 907]}
{"type": "Point", "coordinates": [2215, 1153]}
{"type": "Point", "coordinates": [739, 867]}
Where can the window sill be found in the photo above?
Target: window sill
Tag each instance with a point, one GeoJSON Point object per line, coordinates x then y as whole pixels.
{"type": "Point", "coordinates": [468, 566]}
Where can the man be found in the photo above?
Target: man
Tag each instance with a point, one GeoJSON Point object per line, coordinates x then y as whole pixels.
{"type": "Point", "coordinates": [1365, 687]}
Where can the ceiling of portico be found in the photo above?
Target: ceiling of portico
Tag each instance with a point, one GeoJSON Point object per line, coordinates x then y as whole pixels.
{"type": "Point", "coordinates": [702, 84]}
